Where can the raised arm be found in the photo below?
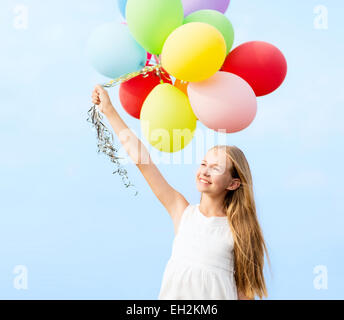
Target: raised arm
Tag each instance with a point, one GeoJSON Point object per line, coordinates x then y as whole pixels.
{"type": "Point", "coordinates": [172, 200]}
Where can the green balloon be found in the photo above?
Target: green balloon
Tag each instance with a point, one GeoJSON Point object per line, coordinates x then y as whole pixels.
{"type": "Point", "coordinates": [151, 21]}
{"type": "Point", "coordinates": [216, 19]}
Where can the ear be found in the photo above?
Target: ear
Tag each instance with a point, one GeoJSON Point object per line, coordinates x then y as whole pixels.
{"type": "Point", "coordinates": [235, 184]}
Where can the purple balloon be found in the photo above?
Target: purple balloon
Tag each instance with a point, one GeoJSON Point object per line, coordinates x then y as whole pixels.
{"type": "Point", "coordinates": [195, 5]}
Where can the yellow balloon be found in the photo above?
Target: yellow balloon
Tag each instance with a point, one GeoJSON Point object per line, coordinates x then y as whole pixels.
{"type": "Point", "coordinates": [167, 119]}
{"type": "Point", "coordinates": [194, 52]}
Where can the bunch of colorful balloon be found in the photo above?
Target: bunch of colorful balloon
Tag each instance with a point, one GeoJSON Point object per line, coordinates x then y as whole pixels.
{"type": "Point", "coordinates": [198, 78]}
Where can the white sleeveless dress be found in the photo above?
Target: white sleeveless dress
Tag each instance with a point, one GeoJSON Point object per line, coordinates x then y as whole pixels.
{"type": "Point", "coordinates": [201, 266]}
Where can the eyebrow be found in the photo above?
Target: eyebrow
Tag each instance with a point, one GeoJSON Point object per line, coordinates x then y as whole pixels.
{"type": "Point", "coordinates": [214, 164]}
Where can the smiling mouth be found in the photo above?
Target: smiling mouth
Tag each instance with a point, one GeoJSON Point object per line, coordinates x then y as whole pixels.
{"type": "Point", "coordinates": [204, 181]}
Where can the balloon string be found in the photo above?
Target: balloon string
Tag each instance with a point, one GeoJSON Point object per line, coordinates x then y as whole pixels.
{"type": "Point", "coordinates": [157, 60]}
{"type": "Point", "coordinates": [159, 72]}
{"type": "Point", "coordinates": [144, 72]}
{"type": "Point", "coordinates": [105, 138]}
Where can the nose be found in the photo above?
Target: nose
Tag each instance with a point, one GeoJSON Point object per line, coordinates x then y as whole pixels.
{"type": "Point", "coordinates": [204, 171]}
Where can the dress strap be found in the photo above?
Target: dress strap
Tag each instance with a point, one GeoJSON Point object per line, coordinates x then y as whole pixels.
{"type": "Point", "coordinates": [186, 213]}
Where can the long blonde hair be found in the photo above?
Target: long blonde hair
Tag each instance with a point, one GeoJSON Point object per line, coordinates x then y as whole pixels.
{"type": "Point", "coordinates": [249, 244]}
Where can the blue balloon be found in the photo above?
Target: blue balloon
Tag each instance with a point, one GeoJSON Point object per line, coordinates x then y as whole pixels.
{"type": "Point", "coordinates": [113, 51]}
{"type": "Point", "coordinates": [122, 5]}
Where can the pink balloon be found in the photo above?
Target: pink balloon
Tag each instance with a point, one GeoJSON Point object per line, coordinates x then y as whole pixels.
{"type": "Point", "coordinates": [224, 102]}
{"type": "Point", "coordinates": [149, 57]}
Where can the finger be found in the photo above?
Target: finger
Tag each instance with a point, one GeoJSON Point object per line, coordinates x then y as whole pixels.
{"type": "Point", "coordinates": [98, 88]}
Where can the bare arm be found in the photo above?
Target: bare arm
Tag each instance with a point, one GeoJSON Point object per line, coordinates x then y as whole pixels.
{"type": "Point", "coordinates": [172, 200]}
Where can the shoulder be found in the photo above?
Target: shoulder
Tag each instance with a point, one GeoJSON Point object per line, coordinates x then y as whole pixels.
{"type": "Point", "coordinates": [184, 214]}
{"type": "Point", "coordinates": [188, 210]}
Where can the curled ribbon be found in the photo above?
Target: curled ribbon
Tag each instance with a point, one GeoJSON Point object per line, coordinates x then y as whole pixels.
{"type": "Point", "coordinates": [105, 138]}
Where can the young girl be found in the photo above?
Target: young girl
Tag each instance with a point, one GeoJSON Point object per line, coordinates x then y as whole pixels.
{"type": "Point", "coordinates": [218, 249]}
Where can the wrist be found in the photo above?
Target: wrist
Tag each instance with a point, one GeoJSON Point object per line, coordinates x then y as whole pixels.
{"type": "Point", "coordinates": [110, 111]}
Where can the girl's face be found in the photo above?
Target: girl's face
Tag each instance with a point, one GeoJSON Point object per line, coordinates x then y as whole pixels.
{"type": "Point", "coordinates": [213, 175]}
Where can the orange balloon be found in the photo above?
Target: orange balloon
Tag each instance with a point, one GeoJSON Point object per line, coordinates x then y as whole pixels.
{"type": "Point", "coordinates": [183, 86]}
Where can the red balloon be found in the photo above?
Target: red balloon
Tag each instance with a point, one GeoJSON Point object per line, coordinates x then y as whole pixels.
{"type": "Point", "coordinates": [261, 64]}
{"type": "Point", "coordinates": [134, 92]}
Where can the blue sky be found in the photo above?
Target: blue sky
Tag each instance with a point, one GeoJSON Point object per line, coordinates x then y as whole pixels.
{"type": "Point", "coordinates": [82, 235]}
